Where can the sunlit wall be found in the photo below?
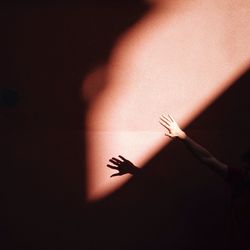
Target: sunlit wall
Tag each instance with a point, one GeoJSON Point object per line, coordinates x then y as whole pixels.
{"type": "Point", "coordinates": [177, 59]}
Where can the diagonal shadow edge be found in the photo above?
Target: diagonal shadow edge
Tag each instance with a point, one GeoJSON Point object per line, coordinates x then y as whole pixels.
{"type": "Point", "coordinates": [203, 120]}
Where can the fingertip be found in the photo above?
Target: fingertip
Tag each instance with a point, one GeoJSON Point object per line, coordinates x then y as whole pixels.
{"type": "Point", "coordinates": [122, 157]}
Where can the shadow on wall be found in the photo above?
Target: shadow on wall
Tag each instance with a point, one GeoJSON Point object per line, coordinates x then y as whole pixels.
{"type": "Point", "coordinates": [176, 202]}
{"type": "Point", "coordinates": [47, 49]}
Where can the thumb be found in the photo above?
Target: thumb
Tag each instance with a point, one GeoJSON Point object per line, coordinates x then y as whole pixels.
{"type": "Point", "coordinates": [113, 175]}
{"type": "Point", "coordinates": [169, 135]}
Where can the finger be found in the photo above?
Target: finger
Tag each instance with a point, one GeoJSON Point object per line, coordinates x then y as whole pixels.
{"type": "Point", "coordinates": [168, 129]}
{"type": "Point", "coordinates": [165, 126]}
{"type": "Point", "coordinates": [113, 167]}
{"type": "Point", "coordinates": [164, 121]}
{"type": "Point", "coordinates": [171, 117]}
{"type": "Point", "coordinates": [167, 118]}
{"type": "Point", "coordinates": [169, 135]}
{"type": "Point", "coordinates": [124, 159]}
{"type": "Point", "coordinates": [115, 161]}
{"type": "Point", "coordinates": [164, 117]}
{"type": "Point", "coordinates": [115, 175]}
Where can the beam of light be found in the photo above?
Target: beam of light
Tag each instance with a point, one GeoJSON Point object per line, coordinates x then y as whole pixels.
{"type": "Point", "coordinates": [175, 60]}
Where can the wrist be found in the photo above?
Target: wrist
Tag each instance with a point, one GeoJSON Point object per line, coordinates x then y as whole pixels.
{"type": "Point", "coordinates": [182, 135]}
{"type": "Point", "coordinates": [135, 170]}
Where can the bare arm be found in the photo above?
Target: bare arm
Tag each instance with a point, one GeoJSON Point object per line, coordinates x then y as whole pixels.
{"type": "Point", "coordinates": [174, 131]}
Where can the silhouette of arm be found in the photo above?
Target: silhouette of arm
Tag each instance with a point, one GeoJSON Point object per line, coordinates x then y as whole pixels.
{"type": "Point", "coordinates": [206, 157]}
{"type": "Point", "coordinates": [123, 166]}
{"type": "Point", "coordinates": [174, 131]}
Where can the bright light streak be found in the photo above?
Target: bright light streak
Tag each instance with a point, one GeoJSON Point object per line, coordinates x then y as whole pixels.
{"type": "Point", "coordinates": [176, 60]}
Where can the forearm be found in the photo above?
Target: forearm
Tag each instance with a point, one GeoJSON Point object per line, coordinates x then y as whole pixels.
{"type": "Point", "coordinates": [173, 131]}
{"type": "Point", "coordinates": [205, 156]}
{"type": "Point", "coordinates": [199, 152]}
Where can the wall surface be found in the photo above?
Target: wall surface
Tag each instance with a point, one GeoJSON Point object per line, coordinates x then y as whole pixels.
{"type": "Point", "coordinates": [48, 50]}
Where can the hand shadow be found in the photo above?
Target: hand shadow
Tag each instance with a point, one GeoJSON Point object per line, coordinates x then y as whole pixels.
{"type": "Point", "coordinates": [123, 166]}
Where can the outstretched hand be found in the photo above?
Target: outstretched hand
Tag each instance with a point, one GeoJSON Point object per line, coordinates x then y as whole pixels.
{"type": "Point", "coordinates": [123, 166]}
{"type": "Point", "coordinates": [173, 129]}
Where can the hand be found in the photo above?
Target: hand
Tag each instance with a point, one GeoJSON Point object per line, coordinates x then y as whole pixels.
{"type": "Point", "coordinates": [123, 167]}
{"type": "Point", "coordinates": [173, 129]}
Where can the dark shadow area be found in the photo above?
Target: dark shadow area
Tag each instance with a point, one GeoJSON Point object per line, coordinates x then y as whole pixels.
{"type": "Point", "coordinates": [122, 166]}
{"type": "Point", "coordinates": [176, 202]}
{"type": "Point", "coordinates": [47, 48]}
